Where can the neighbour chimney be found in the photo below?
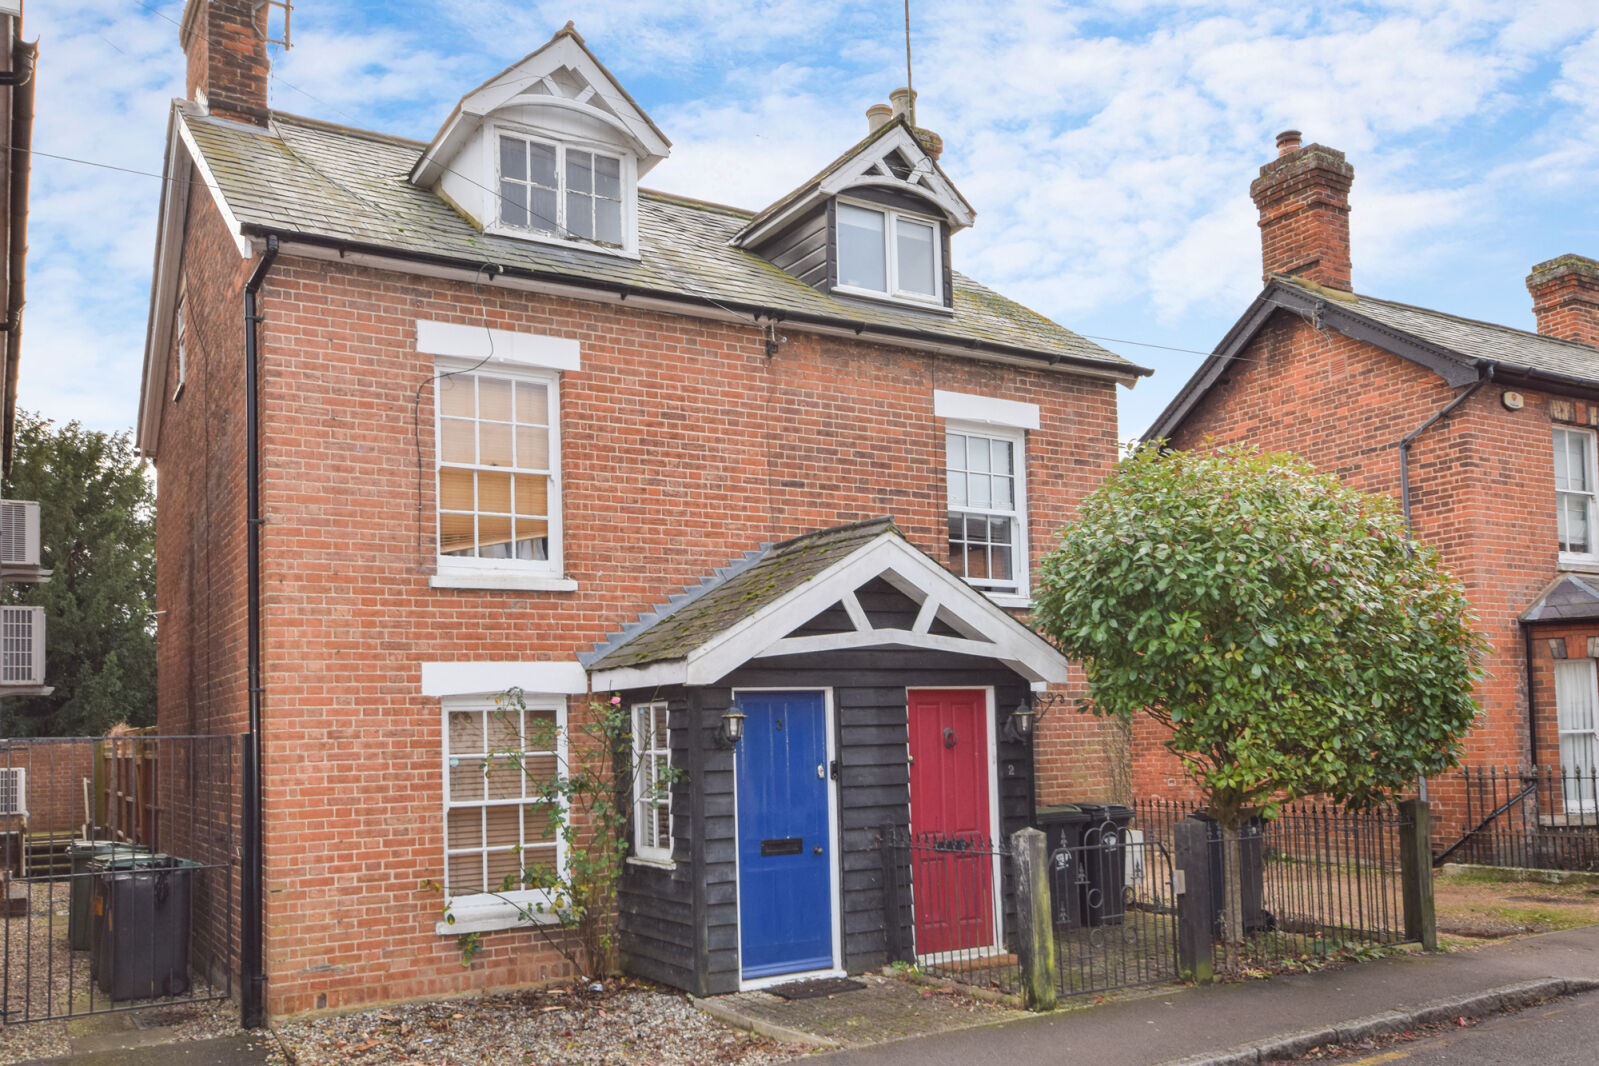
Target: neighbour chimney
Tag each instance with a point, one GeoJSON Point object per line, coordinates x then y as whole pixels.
{"type": "Point", "coordinates": [878, 116]}
{"type": "Point", "coordinates": [226, 45]}
{"type": "Point", "coordinates": [1565, 297]}
{"type": "Point", "coordinates": [1303, 198]}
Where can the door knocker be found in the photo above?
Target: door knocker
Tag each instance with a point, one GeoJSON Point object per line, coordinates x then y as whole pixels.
{"type": "Point", "coordinates": [949, 738]}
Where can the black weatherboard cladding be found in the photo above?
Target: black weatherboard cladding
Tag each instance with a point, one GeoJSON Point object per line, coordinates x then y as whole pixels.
{"type": "Point", "coordinates": [659, 915]}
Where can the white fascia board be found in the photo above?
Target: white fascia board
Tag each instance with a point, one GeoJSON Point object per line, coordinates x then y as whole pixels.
{"type": "Point", "coordinates": [240, 241]}
{"type": "Point", "coordinates": [481, 678]}
{"type": "Point", "coordinates": [170, 227]}
{"type": "Point", "coordinates": [649, 676]}
{"type": "Point", "coordinates": [1011, 642]}
{"type": "Point", "coordinates": [497, 345]}
{"type": "Point", "coordinates": [987, 410]}
{"type": "Point", "coordinates": [942, 191]}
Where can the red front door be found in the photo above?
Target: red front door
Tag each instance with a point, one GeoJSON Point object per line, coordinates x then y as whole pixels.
{"type": "Point", "coordinates": [953, 881]}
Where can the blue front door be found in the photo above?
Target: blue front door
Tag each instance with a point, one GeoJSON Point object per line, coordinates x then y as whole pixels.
{"type": "Point", "coordinates": [785, 851]}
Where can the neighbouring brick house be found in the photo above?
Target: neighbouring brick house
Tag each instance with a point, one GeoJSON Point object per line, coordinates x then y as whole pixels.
{"type": "Point", "coordinates": [520, 422]}
{"type": "Point", "coordinates": [1484, 432]}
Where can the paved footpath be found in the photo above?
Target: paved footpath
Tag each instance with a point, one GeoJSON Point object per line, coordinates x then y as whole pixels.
{"type": "Point", "coordinates": [1201, 1023]}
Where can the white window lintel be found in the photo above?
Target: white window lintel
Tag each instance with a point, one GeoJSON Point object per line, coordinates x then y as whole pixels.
{"type": "Point", "coordinates": [985, 410]}
{"type": "Point", "coordinates": [486, 678]}
{"type": "Point", "coordinates": [456, 341]}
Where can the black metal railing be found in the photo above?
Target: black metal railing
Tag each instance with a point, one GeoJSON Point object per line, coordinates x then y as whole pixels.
{"type": "Point", "coordinates": [117, 858]}
{"type": "Point", "coordinates": [1541, 817]}
{"type": "Point", "coordinates": [948, 890]}
{"type": "Point", "coordinates": [1318, 877]}
{"type": "Point", "coordinates": [1114, 917]}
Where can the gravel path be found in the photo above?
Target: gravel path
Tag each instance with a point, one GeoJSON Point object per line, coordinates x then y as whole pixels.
{"type": "Point", "coordinates": [627, 1024]}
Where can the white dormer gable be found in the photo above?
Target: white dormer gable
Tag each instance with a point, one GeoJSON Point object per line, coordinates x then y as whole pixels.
{"type": "Point", "coordinates": [549, 149]}
{"type": "Point", "coordinates": [892, 160]}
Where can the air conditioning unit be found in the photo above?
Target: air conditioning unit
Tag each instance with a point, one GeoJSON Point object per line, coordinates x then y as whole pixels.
{"type": "Point", "coordinates": [19, 532]}
{"type": "Point", "coordinates": [13, 791]}
{"type": "Point", "coordinates": [21, 646]}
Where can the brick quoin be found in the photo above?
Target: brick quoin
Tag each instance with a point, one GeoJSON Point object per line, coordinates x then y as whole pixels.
{"type": "Point", "coordinates": [1481, 488]}
{"type": "Point", "coordinates": [683, 446]}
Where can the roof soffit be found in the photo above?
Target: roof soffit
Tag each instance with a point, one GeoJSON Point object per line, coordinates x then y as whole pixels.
{"type": "Point", "coordinates": [866, 165]}
{"type": "Point", "coordinates": [563, 75]}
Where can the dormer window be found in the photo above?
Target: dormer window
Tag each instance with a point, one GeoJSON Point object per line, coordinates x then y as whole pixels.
{"type": "Point", "coordinates": [566, 192]}
{"type": "Point", "coordinates": [885, 252]}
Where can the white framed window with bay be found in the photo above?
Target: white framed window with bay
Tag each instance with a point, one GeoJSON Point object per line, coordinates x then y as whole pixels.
{"type": "Point", "coordinates": [1575, 487]}
{"type": "Point", "coordinates": [568, 192]}
{"type": "Point", "coordinates": [496, 824]}
{"type": "Point", "coordinates": [652, 787]}
{"type": "Point", "coordinates": [498, 469]}
{"type": "Point", "coordinates": [1577, 718]}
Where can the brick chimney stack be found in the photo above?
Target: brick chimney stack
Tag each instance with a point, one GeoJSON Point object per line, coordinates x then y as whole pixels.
{"type": "Point", "coordinates": [226, 44]}
{"type": "Point", "coordinates": [1303, 198]}
{"type": "Point", "coordinates": [1565, 297]}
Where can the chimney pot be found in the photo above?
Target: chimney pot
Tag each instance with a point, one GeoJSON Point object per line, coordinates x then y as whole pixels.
{"type": "Point", "coordinates": [1565, 298]}
{"type": "Point", "coordinates": [904, 103]}
{"type": "Point", "coordinates": [1303, 198]}
{"type": "Point", "coordinates": [878, 116]}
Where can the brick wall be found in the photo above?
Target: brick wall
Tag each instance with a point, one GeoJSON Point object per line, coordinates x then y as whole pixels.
{"type": "Point", "coordinates": [1482, 491]}
{"type": "Point", "coordinates": [56, 770]}
{"type": "Point", "coordinates": [683, 446]}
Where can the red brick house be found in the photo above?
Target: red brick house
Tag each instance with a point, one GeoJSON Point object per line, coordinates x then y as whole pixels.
{"type": "Point", "coordinates": [1485, 433]}
{"type": "Point", "coordinates": [436, 420]}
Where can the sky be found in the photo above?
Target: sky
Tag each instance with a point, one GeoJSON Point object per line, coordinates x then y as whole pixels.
{"type": "Point", "coordinates": [1107, 146]}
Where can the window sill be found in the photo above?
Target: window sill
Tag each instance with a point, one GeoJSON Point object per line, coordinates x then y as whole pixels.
{"type": "Point", "coordinates": [933, 304]}
{"type": "Point", "coordinates": [488, 913]}
{"type": "Point", "coordinates": [654, 864]}
{"type": "Point", "coordinates": [625, 251]}
{"type": "Point", "coordinates": [1581, 564]}
{"type": "Point", "coordinates": [501, 579]}
{"type": "Point", "coordinates": [1009, 599]}
{"type": "Point", "coordinates": [1561, 821]}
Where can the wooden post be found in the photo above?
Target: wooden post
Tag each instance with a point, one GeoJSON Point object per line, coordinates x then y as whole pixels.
{"type": "Point", "coordinates": [1196, 911]}
{"type": "Point", "coordinates": [1035, 936]}
{"type": "Point", "coordinates": [893, 901]}
{"type": "Point", "coordinates": [1415, 864]}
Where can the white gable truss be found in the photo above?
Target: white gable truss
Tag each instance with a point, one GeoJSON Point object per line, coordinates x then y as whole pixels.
{"type": "Point", "coordinates": [981, 628]}
{"type": "Point", "coordinates": [563, 75]}
{"type": "Point", "coordinates": [893, 161]}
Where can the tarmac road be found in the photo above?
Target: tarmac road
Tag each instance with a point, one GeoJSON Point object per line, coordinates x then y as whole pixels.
{"type": "Point", "coordinates": [1563, 1032]}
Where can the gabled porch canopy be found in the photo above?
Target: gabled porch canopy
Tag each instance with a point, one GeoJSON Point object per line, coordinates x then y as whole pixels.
{"type": "Point", "coordinates": [799, 597]}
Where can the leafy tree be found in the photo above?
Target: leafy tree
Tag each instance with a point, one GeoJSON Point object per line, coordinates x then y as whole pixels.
{"type": "Point", "coordinates": [1281, 627]}
{"type": "Point", "coordinates": [97, 532]}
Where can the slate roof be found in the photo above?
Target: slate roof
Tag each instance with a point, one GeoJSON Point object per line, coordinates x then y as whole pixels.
{"type": "Point", "coordinates": [731, 595]}
{"type": "Point", "coordinates": [1570, 596]}
{"type": "Point", "coordinates": [305, 178]}
{"type": "Point", "coordinates": [1458, 349]}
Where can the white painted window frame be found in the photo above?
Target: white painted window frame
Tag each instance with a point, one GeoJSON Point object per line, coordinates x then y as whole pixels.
{"type": "Point", "coordinates": [1592, 459]}
{"type": "Point", "coordinates": [1018, 592]}
{"type": "Point", "coordinates": [650, 751]}
{"type": "Point", "coordinates": [891, 218]}
{"type": "Point", "coordinates": [477, 912]}
{"type": "Point", "coordinates": [629, 173]}
{"type": "Point", "coordinates": [180, 332]}
{"type": "Point", "coordinates": [1582, 674]}
{"type": "Point", "coordinates": [473, 572]}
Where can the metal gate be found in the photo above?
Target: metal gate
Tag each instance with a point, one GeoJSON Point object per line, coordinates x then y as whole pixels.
{"type": "Point", "coordinates": [118, 866]}
{"type": "Point", "coordinates": [1115, 917]}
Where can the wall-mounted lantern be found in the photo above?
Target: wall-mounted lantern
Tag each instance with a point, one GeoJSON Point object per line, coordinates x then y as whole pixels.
{"type": "Point", "coordinates": [732, 730]}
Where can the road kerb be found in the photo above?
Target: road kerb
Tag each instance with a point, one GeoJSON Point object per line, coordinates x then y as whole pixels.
{"type": "Point", "coordinates": [1476, 1005]}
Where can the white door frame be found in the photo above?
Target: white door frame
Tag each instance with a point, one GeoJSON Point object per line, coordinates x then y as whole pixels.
{"type": "Point", "coordinates": [834, 866]}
